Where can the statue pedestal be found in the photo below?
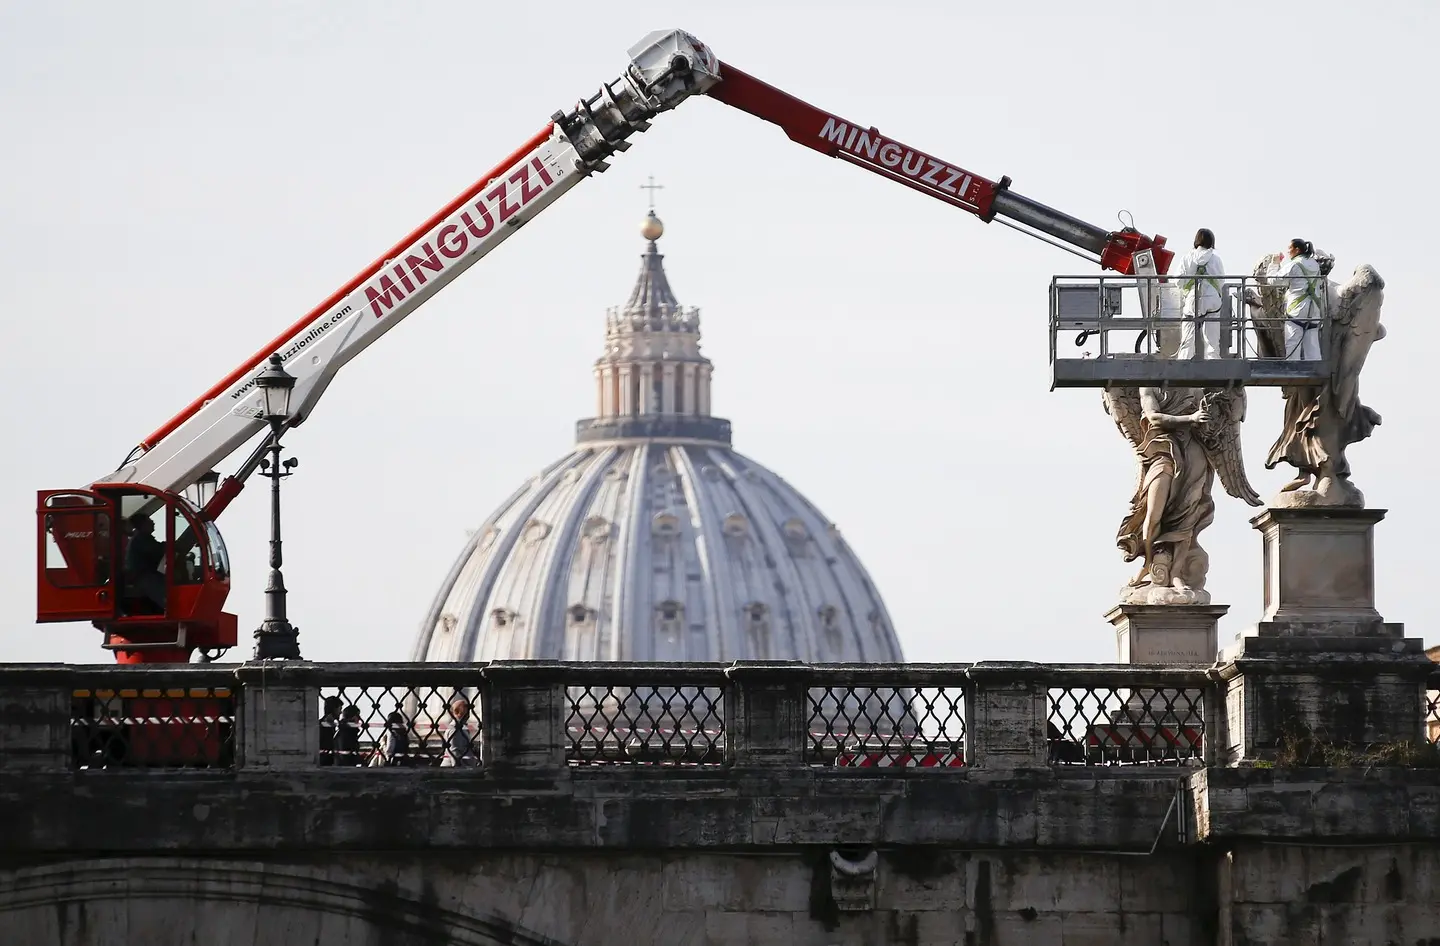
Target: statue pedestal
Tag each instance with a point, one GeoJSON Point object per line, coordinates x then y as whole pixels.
{"type": "Point", "coordinates": [1320, 571]}
{"type": "Point", "coordinates": [1322, 669]}
{"type": "Point", "coordinates": [1176, 635]}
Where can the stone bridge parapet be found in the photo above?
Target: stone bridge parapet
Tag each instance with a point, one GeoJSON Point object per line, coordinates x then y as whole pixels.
{"type": "Point", "coordinates": [983, 804]}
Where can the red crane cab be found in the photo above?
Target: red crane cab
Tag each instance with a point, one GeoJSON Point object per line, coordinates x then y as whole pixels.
{"type": "Point", "coordinates": [141, 564]}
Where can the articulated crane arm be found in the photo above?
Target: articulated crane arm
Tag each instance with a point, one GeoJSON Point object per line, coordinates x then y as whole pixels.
{"type": "Point", "coordinates": [163, 611]}
{"type": "Point", "coordinates": [666, 68]}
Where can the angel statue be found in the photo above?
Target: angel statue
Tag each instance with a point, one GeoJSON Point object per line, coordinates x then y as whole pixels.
{"type": "Point", "coordinates": [1322, 420]}
{"type": "Point", "coordinates": [1182, 437]}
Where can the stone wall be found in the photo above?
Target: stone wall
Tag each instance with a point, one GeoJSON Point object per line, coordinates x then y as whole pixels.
{"type": "Point", "coordinates": [1248, 895]}
{"type": "Point", "coordinates": [1386, 893]}
{"type": "Point", "coordinates": [919, 897]}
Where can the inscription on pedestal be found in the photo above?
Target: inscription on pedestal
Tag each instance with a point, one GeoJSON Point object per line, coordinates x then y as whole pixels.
{"type": "Point", "coordinates": [1170, 647]}
{"type": "Point", "coordinates": [1166, 635]}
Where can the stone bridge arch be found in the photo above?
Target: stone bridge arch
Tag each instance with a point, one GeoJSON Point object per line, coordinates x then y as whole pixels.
{"type": "Point", "coordinates": [174, 900]}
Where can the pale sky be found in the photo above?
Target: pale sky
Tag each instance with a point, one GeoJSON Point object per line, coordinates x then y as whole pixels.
{"type": "Point", "coordinates": [182, 180]}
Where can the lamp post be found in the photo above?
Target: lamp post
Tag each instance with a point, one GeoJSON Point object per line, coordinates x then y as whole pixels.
{"type": "Point", "coordinates": [276, 638]}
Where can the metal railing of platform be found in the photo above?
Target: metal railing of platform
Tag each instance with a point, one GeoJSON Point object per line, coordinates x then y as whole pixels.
{"type": "Point", "coordinates": [1239, 333]}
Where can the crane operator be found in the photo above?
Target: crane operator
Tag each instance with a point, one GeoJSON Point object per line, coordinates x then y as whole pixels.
{"type": "Point", "coordinates": [143, 556]}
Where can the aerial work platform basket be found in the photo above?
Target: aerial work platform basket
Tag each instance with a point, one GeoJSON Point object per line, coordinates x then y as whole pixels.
{"type": "Point", "coordinates": [1147, 330]}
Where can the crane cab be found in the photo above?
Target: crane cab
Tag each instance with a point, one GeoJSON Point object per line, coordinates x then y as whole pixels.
{"type": "Point", "coordinates": [141, 564]}
{"type": "Point", "coordinates": [1142, 331]}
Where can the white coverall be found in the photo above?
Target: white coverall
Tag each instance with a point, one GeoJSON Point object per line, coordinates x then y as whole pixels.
{"type": "Point", "coordinates": [1200, 289]}
{"type": "Point", "coordinates": [1303, 291]}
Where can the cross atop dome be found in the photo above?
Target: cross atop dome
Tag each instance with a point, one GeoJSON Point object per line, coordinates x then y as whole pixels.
{"type": "Point", "coordinates": [652, 187]}
{"type": "Point", "coordinates": [652, 229]}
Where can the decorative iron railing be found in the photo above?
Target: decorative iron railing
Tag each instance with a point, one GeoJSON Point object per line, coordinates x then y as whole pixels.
{"type": "Point", "coordinates": [165, 722]}
{"type": "Point", "coordinates": [517, 715]}
{"type": "Point", "coordinates": [401, 725]}
{"type": "Point", "coordinates": [1110, 719]}
{"type": "Point", "coordinates": [874, 717]}
{"type": "Point", "coordinates": [645, 714]}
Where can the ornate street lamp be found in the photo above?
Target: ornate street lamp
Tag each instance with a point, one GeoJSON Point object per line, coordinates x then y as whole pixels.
{"type": "Point", "coordinates": [204, 488]}
{"type": "Point", "coordinates": [276, 638]}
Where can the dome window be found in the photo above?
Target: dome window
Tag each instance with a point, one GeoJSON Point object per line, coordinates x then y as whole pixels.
{"type": "Point", "coordinates": [666, 525]}
{"type": "Point", "coordinates": [579, 614]}
{"type": "Point", "coordinates": [669, 618]}
{"type": "Point", "coordinates": [757, 628]}
{"type": "Point", "coordinates": [736, 525]}
{"type": "Point", "coordinates": [502, 617]}
{"type": "Point", "coordinates": [535, 530]}
{"type": "Point", "coordinates": [830, 624]}
{"type": "Point", "coordinates": [447, 623]}
{"type": "Point", "coordinates": [877, 624]}
{"type": "Point", "coordinates": [596, 529]}
{"type": "Point", "coordinates": [797, 537]}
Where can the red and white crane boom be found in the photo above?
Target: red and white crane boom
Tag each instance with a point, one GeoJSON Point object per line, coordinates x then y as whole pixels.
{"type": "Point", "coordinates": [666, 68]}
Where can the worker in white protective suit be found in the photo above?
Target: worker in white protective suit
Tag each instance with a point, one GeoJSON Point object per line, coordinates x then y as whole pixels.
{"type": "Point", "coordinates": [1201, 297]}
{"type": "Point", "coordinates": [1300, 274]}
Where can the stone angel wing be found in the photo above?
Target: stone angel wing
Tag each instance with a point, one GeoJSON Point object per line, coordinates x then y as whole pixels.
{"type": "Point", "coordinates": [1266, 304]}
{"type": "Point", "coordinates": [1123, 406]}
{"type": "Point", "coordinates": [1354, 327]}
{"type": "Point", "coordinates": [1219, 437]}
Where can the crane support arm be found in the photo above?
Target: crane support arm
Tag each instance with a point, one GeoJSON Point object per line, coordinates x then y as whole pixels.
{"type": "Point", "coordinates": [358, 314]}
{"type": "Point", "coordinates": [832, 135]}
{"type": "Point", "coordinates": [666, 68]}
